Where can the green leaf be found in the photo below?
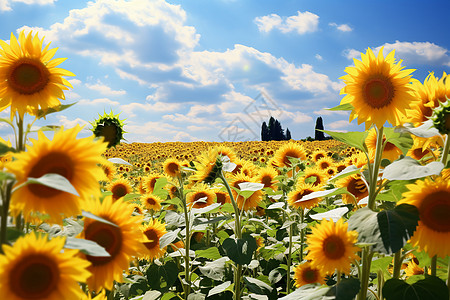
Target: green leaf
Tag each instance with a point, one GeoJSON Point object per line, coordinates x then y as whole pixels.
{"type": "Point", "coordinates": [430, 288]}
{"type": "Point", "coordinates": [129, 197]}
{"type": "Point", "coordinates": [168, 238]}
{"type": "Point", "coordinates": [54, 181]}
{"type": "Point", "coordinates": [350, 170]}
{"type": "Point", "coordinates": [346, 106]}
{"type": "Point", "coordinates": [241, 250]}
{"type": "Point", "coordinates": [210, 253]}
{"type": "Point", "coordinates": [353, 138]}
{"type": "Point", "coordinates": [334, 214]}
{"type": "Point", "coordinates": [426, 130]}
{"type": "Point", "coordinates": [47, 128]}
{"type": "Point", "coordinates": [163, 277]}
{"type": "Point", "coordinates": [276, 275]}
{"type": "Point", "coordinates": [5, 149]}
{"type": "Point", "coordinates": [214, 269]}
{"type": "Point", "coordinates": [88, 247]}
{"type": "Point", "coordinates": [397, 226]}
{"type": "Point", "coordinates": [13, 234]}
{"type": "Point", "coordinates": [365, 222]}
{"type": "Point", "coordinates": [345, 290]}
{"type": "Point", "coordinates": [160, 183]}
{"type": "Point", "coordinates": [408, 168]}
{"type": "Point", "coordinates": [6, 176]}
{"type": "Point", "coordinates": [151, 295]}
{"type": "Point", "coordinates": [118, 160]}
{"type": "Point", "coordinates": [219, 289]}
{"type": "Point", "coordinates": [257, 286]}
{"type": "Point", "coordinates": [96, 218]}
{"type": "Point", "coordinates": [41, 113]}
{"type": "Point", "coordinates": [402, 140]}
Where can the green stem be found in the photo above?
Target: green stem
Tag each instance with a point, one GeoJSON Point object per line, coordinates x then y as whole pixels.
{"type": "Point", "coordinates": [380, 278]}
{"type": "Point", "coordinates": [237, 282]}
{"type": "Point", "coordinates": [20, 142]}
{"type": "Point", "coordinates": [302, 234]}
{"type": "Point", "coordinates": [445, 151]}
{"type": "Point", "coordinates": [433, 265]}
{"type": "Point", "coordinates": [289, 260]}
{"type": "Point", "coordinates": [6, 198]}
{"type": "Point", "coordinates": [338, 277]}
{"type": "Point", "coordinates": [187, 242]}
{"type": "Point", "coordinates": [376, 168]}
{"type": "Point", "coordinates": [448, 276]}
{"type": "Point", "coordinates": [397, 264]}
{"type": "Point", "coordinates": [366, 261]}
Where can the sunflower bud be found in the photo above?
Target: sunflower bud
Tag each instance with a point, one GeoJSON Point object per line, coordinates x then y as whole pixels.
{"type": "Point", "coordinates": [441, 117]}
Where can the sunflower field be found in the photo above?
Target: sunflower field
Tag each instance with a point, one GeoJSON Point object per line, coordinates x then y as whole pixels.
{"type": "Point", "coordinates": [365, 215]}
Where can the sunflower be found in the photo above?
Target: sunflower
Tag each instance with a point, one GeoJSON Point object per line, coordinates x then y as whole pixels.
{"type": "Point", "coordinates": [29, 79]}
{"type": "Point", "coordinates": [110, 127]}
{"type": "Point", "coordinates": [412, 268]}
{"type": "Point", "coordinates": [314, 175]}
{"type": "Point", "coordinates": [208, 166]}
{"type": "Point", "coordinates": [119, 188]}
{"type": "Point", "coordinates": [227, 151]}
{"type": "Point", "coordinates": [422, 149]}
{"type": "Point", "coordinates": [222, 197]}
{"type": "Point", "coordinates": [432, 199]}
{"type": "Point", "coordinates": [302, 189]}
{"type": "Point", "coordinates": [172, 167]}
{"type": "Point", "coordinates": [200, 196]}
{"type": "Point", "coordinates": [390, 151]}
{"type": "Point", "coordinates": [332, 247]}
{"type": "Point", "coordinates": [252, 201]}
{"type": "Point", "coordinates": [153, 231]}
{"type": "Point", "coordinates": [378, 89]}
{"type": "Point", "coordinates": [38, 268]}
{"type": "Point", "coordinates": [267, 176]}
{"type": "Point", "coordinates": [304, 274]}
{"type": "Point", "coordinates": [355, 186]}
{"type": "Point", "coordinates": [121, 241]}
{"type": "Point", "coordinates": [75, 159]}
{"type": "Point", "coordinates": [318, 154]}
{"type": "Point", "coordinates": [289, 150]}
{"type": "Point", "coordinates": [172, 189]}
{"type": "Point", "coordinates": [109, 170]}
{"type": "Point", "coordinates": [325, 163]}
{"type": "Point", "coordinates": [7, 157]}
{"type": "Point", "coordinates": [99, 296]}
{"type": "Point", "coordinates": [149, 182]}
{"type": "Point", "coordinates": [150, 201]}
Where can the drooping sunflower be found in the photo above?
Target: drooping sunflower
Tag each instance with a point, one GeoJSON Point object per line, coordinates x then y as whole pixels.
{"type": "Point", "coordinates": [432, 199]}
{"type": "Point", "coordinates": [172, 189]}
{"type": "Point", "coordinates": [252, 201]}
{"type": "Point", "coordinates": [267, 176]}
{"type": "Point", "coordinates": [208, 166]}
{"type": "Point", "coordinates": [412, 268]}
{"type": "Point", "coordinates": [172, 167]}
{"type": "Point", "coordinates": [291, 149]}
{"type": "Point", "coordinates": [200, 196]}
{"type": "Point", "coordinates": [153, 231]}
{"type": "Point", "coordinates": [378, 89]}
{"type": "Point", "coordinates": [75, 159]}
{"type": "Point", "coordinates": [390, 151]}
{"type": "Point", "coordinates": [122, 241]}
{"type": "Point", "coordinates": [304, 274]}
{"type": "Point", "coordinates": [332, 247]}
{"type": "Point", "coordinates": [29, 77]}
{"type": "Point", "coordinates": [354, 185]}
{"type": "Point", "coordinates": [422, 149]}
{"type": "Point", "coordinates": [151, 201]}
{"type": "Point", "coordinates": [302, 189]}
{"type": "Point", "coordinates": [119, 188]}
{"type": "Point", "coordinates": [110, 127]}
{"type": "Point", "coordinates": [36, 268]}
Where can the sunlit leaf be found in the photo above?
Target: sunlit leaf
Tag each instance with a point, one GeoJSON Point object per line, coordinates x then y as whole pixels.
{"type": "Point", "coordinates": [408, 168]}
{"type": "Point", "coordinates": [353, 138]}
{"type": "Point", "coordinates": [54, 181]}
{"type": "Point", "coordinates": [118, 160]}
{"type": "Point", "coordinates": [334, 214]}
{"type": "Point", "coordinates": [219, 288]}
{"type": "Point", "coordinates": [88, 247]}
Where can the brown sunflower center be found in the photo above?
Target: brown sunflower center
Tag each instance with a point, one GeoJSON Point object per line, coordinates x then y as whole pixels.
{"type": "Point", "coordinates": [202, 203]}
{"type": "Point", "coordinates": [378, 92]}
{"type": "Point", "coordinates": [287, 155]}
{"type": "Point", "coordinates": [358, 188]}
{"type": "Point", "coordinates": [152, 236]}
{"type": "Point", "coordinates": [34, 277]}
{"type": "Point", "coordinates": [221, 198]}
{"type": "Point", "coordinates": [28, 76]}
{"type": "Point", "coordinates": [173, 168]}
{"type": "Point", "coordinates": [302, 193]}
{"type": "Point", "coordinates": [310, 276]}
{"type": "Point", "coordinates": [419, 153]}
{"type": "Point", "coordinates": [151, 201]}
{"type": "Point", "coordinates": [333, 247]}
{"type": "Point", "coordinates": [435, 211]}
{"type": "Point", "coordinates": [54, 162]}
{"type": "Point", "coordinates": [266, 180]}
{"type": "Point", "coordinates": [325, 164]}
{"type": "Point", "coordinates": [119, 190]}
{"type": "Point", "coordinates": [107, 236]}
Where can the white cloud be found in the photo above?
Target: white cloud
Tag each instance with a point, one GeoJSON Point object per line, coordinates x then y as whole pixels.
{"type": "Point", "coordinates": [341, 27]}
{"type": "Point", "coordinates": [5, 5]}
{"type": "Point", "coordinates": [132, 108]}
{"type": "Point", "coordinates": [411, 52]}
{"type": "Point", "coordinates": [64, 121]}
{"type": "Point", "coordinates": [339, 124]}
{"type": "Point", "coordinates": [326, 112]}
{"type": "Point", "coordinates": [302, 23]}
{"type": "Point", "coordinates": [318, 57]}
{"type": "Point", "coordinates": [97, 101]}
{"type": "Point", "coordinates": [104, 89]}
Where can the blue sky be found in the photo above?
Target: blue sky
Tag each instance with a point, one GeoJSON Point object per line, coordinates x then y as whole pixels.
{"type": "Point", "coordinates": [213, 70]}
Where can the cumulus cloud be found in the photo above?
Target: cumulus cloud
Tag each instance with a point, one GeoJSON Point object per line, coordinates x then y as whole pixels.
{"type": "Point", "coordinates": [97, 101]}
{"type": "Point", "coordinates": [132, 108]}
{"type": "Point", "coordinates": [339, 124]}
{"type": "Point", "coordinates": [64, 121]}
{"type": "Point", "coordinates": [104, 89]}
{"type": "Point", "coordinates": [301, 23]}
{"type": "Point", "coordinates": [341, 27]}
{"type": "Point", "coordinates": [411, 52]}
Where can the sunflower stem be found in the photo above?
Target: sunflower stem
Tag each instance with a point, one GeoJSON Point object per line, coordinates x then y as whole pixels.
{"type": "Point", "coordinates": [338, 276]}
{"type": "Point", "coordinates": [6, 198]}
{"type": "Point", "coordinates": [366, 261]}
{"type": "Point", "coordinates": [380, 278]}
{"type": "Point", "coordinates": [187, 242]}
{"type": "Point", "coordinates": [397, 264]}
{"type": "Point", "coordinates": [376, 168]}
{"type": "Point", "coordinates": [302, 234]}
{"type": "Point", "coordinates": [289, 260]}
{"type": "Point", "coordinates": [445, 151]}
{"type": "Point", "coordinates": [433, 265]}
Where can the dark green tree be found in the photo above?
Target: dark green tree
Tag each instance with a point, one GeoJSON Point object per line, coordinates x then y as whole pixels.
{"type": "Point", "coordinates": [288, 134]}
{"type": "Point", "coordinates": [319, 135]}
{"type": "Point", "coordinates": [277, 132]}
{"type": "Point", "coordinates": [265, 132]}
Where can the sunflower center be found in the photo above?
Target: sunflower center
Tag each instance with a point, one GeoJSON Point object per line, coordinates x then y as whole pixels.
{"type": "Point", "coordinates": [28, 76]}
{"type": "Point", "coordinates": [434, 211]}
{"type": "Point", "coordinates": [287, 155]}
{"type": "Point", "coordinates": [173, 168]}
{"type": "Point", "coordinates": [35, 276]}
{"type": "Point", "coordinates": [54, 162]}
{"type": "Point", "coordinates": [378, 92]}
{"type": "Point", "coordinates": [107, 236]}
{"type": "Point", "coordinates": [310, 275]}
{"type": "Point", "coordinates": [201, 203]}
{"type": "Point", "coordinates": [419, 153]}
{"type": "Point", "coordinates": [357, 187]}
{"type": "Point", "coordinates": [333, 247]}
{"type": "Point", "coordinates": [119, 191]}
{"type": "Point", "coordinates": [323, 165]}
{"type": "Point", "coordinates": [318, 156]}
{"type": "Point", "coordinates": [266, 180]}
{"type": "Point", "coordinates": [153, 239]}
{"type": "Point", "coordinates": [109, 132]}
{"type": "Point", "coordinates": [302, 193]}
{"type": "Point", "coordinates": [221, 198]}
{"type": "Point", "coordinates": [151, 201]}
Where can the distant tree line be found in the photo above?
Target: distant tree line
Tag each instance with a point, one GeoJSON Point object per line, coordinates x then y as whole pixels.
{"type": "Point", "coordinates": [275, 132]}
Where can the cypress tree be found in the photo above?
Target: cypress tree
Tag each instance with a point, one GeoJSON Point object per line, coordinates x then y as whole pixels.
{"type": "Point", "coordinates": [288, 134]}
{"type": "Point", "coordinates": [319, 135]}
{"type": "Point", "coordinates": [264, 132]}
{"type": "Point", "coordinates": [277, 132]}
{"type": "Point", "coordinates": [270, 129]}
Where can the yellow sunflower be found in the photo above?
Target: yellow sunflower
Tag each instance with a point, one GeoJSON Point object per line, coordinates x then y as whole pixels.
{"type": "Point", "coordinates": [109, 170]}
{"type": "Point", "coordinates": [75, 159]}
{"type": "Point", "coordinates": [99, 296]}
{"type": "Point", "coordinates": [37, 268]}
{"type": "Point", "coordinates": [316, 176]}
{"type": "Point", "coordinates": [29, 77]}
{"type": "Point", "coordinates": [318, 154]}
{"type": "Point", "coordinates": [122, 241]}
{"type": "Point", "coordinates": [252, 201]}
{"type": "Point", "coordinates": [222, 197]}
{"type": "Point", "coordinates": [390, 151]}
{"type": "Point", "coordinates": [291, 149]}
{"type": "Point", "coordinates": [227, 151]}
{"type": "Point", "coordinates": [432, 199]}
{"type": "Point", "coordinates": [412, 268]}
{"type": "Point", "coordinates": [149, 181]}
{"type": "Point", "coordinates": [172, 189]}
{"type": "Point", "coordinates": [207, 167]}
{"type": "Point", "coordinates": [378, 89]}
{"type": "Point", "coordinates": [354, 185]}
{"type": "Point", "coordinates": [7, 157]}
{"type": "Point", "coordinates": [200, 196]}
{"type": "Point", "coordinates": [172, 167]}
{"type": "Point", "coordinates": [332, 247]}
{"type": "Point", "coordinates": [325, 163]}
{"type": "Point", "coordinates": [150, 201]}
{"type": "Point", "coordinates": [267, 176]}
{"type": "Point", "coordinates": [422, 149]}
{"type": "Point", "coordinates": [302, 189]}
{"type": "Point", "coordinates": [304, 274]}
{"type": "Point", "coordinates": [119, 188]}
{"type": "Point", "coordinates": [153, 231]}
